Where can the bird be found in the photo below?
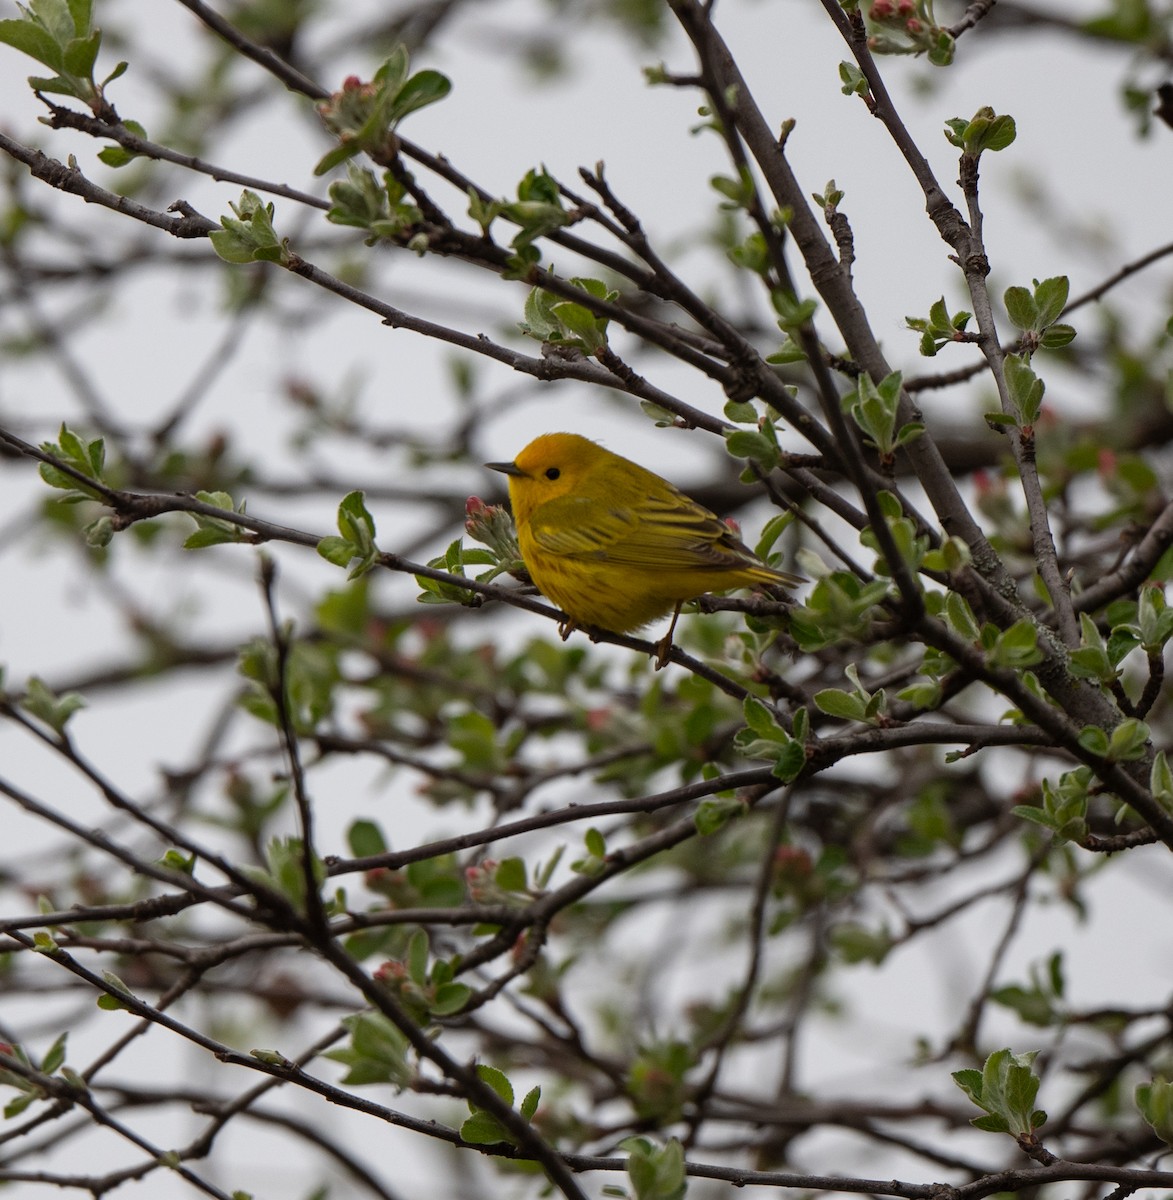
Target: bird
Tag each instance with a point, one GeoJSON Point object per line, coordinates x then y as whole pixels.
{"type": "Point", "coordinates": [616, 546]}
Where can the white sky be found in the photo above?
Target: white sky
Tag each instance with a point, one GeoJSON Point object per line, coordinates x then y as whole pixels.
{"type": "Point", "coordinates": [1072, 135]}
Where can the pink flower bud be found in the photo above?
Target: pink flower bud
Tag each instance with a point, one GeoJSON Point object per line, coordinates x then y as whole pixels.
{"type": "Point", "coordinates": [597, 718]}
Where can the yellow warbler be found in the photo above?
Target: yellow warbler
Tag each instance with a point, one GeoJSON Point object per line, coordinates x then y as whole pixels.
{"type": "Point", "coordinates": [614, 545]}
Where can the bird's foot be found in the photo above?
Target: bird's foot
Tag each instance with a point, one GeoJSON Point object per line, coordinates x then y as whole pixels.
{"type": "Point", "coordinates": [663, 652]}
{"type": "Point", "coordinates": [664, 645]}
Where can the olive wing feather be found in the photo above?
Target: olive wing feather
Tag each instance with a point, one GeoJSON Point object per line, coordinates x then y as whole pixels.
{"type": "Point", "coordinates": [669, 532]}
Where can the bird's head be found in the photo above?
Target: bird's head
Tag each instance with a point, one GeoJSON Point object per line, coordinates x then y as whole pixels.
{"type": "Point", "coordinates": [549, 467]}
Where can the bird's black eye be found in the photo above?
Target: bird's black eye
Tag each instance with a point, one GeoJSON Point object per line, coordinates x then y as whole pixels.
{"type": "Point", "coordinates": [552, 472]}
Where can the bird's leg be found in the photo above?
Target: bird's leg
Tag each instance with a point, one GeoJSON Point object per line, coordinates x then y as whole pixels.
{"type": "Point", "coordinates": [566, 628]}
{"type": "Point", "coordinates": [664, 645]}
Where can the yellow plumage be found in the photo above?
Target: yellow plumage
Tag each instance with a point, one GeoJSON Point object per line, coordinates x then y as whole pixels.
{"type": "Point", "coordinates": [613, 544]}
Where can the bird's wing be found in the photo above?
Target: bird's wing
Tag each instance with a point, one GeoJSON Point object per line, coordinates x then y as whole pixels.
{"type": "Point", "coordinates": [580, 526]}
{"type": "Point", "coordinates": [671, 532]}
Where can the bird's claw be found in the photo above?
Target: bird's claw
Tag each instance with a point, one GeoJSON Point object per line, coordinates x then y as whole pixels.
{"type": "Point", "coordinates": [663, 653]}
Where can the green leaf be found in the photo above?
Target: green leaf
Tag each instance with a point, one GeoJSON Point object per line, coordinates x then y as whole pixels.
{"type": "Point", "coordinates": [580, 324]}
{"type": "Point", "coordinates": [745, 443]}
{"type": "Point", "coordinates": [81, 54]}
{"type": "Point", "coordinates": [656, 1173]}
{"type": "Point", "coordinates": [176, 860]}
{"type": "Point", "coordinates": [483, 1129]}
{"type": "Point", "coordinates": [792, 312]}
{"type": "Point", "coordinates": [986, 131]}
{"type": "Point", "coordinates": [273, 1058]}
{"type": "Point", "coordinates": [529, 1105]}
{"type": "Point", "coordinates": [1001, 134]}
{"type": "Point", "coordinates": [950, 556]}
{"type": "Point", "coordinates": [960, 617]}
{"type": "Point", "coordinates": [248, 235]}
{"type": "Point", "coordinates": [87, 457]}
{"type": "Point", "coordinates": [377, 1051]}
{"type": "Point", "coordinates": [1161, 781]}
{"type": "Point", "coordinates": [1155, 1102]}
{"type": "Point", "coordinates": [1154, 619]}
{"type": "Point", "coordinates": [498, 1081]}
{"type": "Point", "coordinates": [213, 530]}
{"type": "Point", "coordinates": [1051, 299]}
{"type": "Point", "coordinates": [1025, 389]}
{"type": "Point", "coordinates": [365, 839]}
{"type": "Point", "coordinates": [331, 159]}
{"type": "Point", "coordinates": [393, 70]}
{"type": "Point", "coordinates": [483, 212]}
{"type": "Point", "coordinates": [335, 550]}
{"type": "Point", "coordinates": [357, 541]}
{"type": "Point", "coordinates": [1129, 740]}
{"type": "Point", "coordinates": [34, 40]}
{"type": "Point", "coordinates": [417, 957]}
{"type": "Point", "coordinates": [1032, 1006]}
{"type": "Point", "coordinates": [991, 1124]}
{"type": "Point", "coordinates": [1094, 739]}
{"type": "Point", "coordinates": [81, 14]}
{"type": "Point", "coordinates": [54, 1056]}
{"type": "Point", "coordinates": [759, 718]}
{"type": "Point", "coordinates": [856, 943]}
{"type": "Point", "coordinates": [112, 1003]}
{"type": "Point", "coordinates": [44, 704]}
{"type": "Point", "coordinates": [511, 875]}
{"type": "Point", "coordinates": [998, 420]}
{"type": "Point", "coordinates": [18, 1104]}
{"type": "Point", "coordinates": [1021, 308]}
{"type": "Point", "coordinates": [1005, 1089]}
{"type": "Point", "coordinates": [942, 47]}
{"type": "Point", "coordinates": [1057, 336]}
{"type": "Point", "coordinates": [423, 88]}
{"type": "Point", "coordinates": [852, 79]}
{"type": "Point", "coordinates": [355, 521]}
{"type": "Point", "coordinates": [540, 321]}
{"type": "Point", "coordinates": [1064, 805]}
{"type": "Point", "coordinates": [925, 696]}
{"type": "Point", "coordinates": [208, 536]}
{"type": "Point", "coordinates": [789, 352]}
{"type": "Point", "coordinates": [837, 703]}
{"type": "Point", "coordinates": [1017, 647]}
{"type": "Point", "coordinates": [714, 813]}
{"type": "Point", "coordinates": [789, 764]}
{"type": "Point", "coordinates": [740, 192]}
{"type": "Point", "coordinates": [449, 999]}
{"type": "Point", "coordinates": [741, 412]}
{"type": "Point", "coordinates": [908, 433]}
{"type": "Point", "coordinates": [120, 69]}
{"type": "Point", "coordinates": [955, 128]}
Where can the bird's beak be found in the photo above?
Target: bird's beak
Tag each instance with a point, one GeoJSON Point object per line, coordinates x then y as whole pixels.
{"type": "Point", "coordinates": [507, 469]}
